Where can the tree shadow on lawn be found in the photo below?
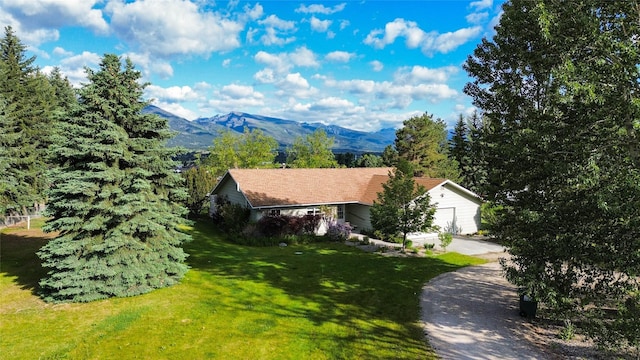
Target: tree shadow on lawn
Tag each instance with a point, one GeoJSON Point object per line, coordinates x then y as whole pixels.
{"type": "Point", "coordinates": [348, 287]}
{"type": "Point", "coordinates": [18, 258]}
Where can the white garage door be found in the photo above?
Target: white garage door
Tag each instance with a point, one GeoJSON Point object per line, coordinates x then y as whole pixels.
{"type": "Point", "coordinates": [445, 218]}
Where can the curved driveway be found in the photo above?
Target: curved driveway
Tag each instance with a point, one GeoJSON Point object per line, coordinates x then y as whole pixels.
{"type": "Point", "coordinates": [473, 313]}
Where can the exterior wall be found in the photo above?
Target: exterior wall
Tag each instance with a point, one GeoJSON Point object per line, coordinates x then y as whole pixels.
{"type": "Point", "coordinates": [358, 216]}
{"type": "Point", "coordinates": [455, 209]}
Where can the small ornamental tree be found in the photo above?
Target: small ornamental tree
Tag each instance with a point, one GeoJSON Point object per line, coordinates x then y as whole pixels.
{"type": "Point", "coordinates": [402, 207]}
{"type": "Point", "coordinates": [115, 199]}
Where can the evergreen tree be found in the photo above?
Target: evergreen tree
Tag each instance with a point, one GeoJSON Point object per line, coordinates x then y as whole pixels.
{"type": "Point", "coordinates": [558, 86]}
{"type": "Point", "coordinates": [312, 151]}
{"type": "Point", "coordinates": [465, 147]}
{"type": "Point", "coordinates": [26, 126]}
{"type": "Point", "coordinates": [402, 207]}
{"type": "Point", "coordinates": [389, 156]}
{"type": "Point", "coordinates": [423, 142]}
{"type": "Point", "coordinates": [369, 160]}
{"type": "Point", "coordinates": [115, 199]}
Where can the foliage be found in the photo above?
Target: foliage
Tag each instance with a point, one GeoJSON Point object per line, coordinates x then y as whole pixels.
{"type": "Point", "coordinates": [337, 231]}
{"type": "Point", "coordinates": [25, 126]}
{"type": "Point", "coordinates": [252, 149]}
{"type": "Point", "coordinates": [115, 199]}
{"type": "Point", "coordinates": [199, 182]}
{"type": "Point", "coordinates": [390, 156]}
{"type": "Point", "coordinates": [402, 207]}
{"type": "Point", "coordinates": [422, 141]}
{"type": "Point", "coordinates": [347, 159]}
{"type": "Point", "coordinates": [465, 147]}
{"type": "Point", "coordinates": [558, 89]}
{"type": "Point", "coordinates": [231, 218]}
{"type": "Point", "coordinates": [236, 302]}
{"type": "Point", "coordinates": [445, 240]}
{"type": "Point", "coordinates": [280, 225]}
{"type": "Point", "coordinates": [312, 151]}
{"type": "Point", "coordinates": [490, 215]}
{"type": "Point", "coordinates": [369, 161]}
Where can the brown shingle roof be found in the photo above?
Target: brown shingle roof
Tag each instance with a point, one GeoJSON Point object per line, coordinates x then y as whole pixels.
{"type": "Point", "coordinates": [288, 187]}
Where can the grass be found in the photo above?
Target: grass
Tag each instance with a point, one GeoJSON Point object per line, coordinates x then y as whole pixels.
{"type": "Point", "coordinates": [319, 301]}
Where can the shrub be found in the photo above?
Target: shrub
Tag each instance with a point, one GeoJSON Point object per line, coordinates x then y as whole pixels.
{"type": "Point", "coordinates": [272, 225]}
{"type": "Point", "coordinates": [445, 240]}
{"type": "Point", "coordinates": [232, 218]}
{"type": "Point", "coordinates": [310, 223]}
{"type": "Point", "coordinates": [365, 240]}
{"type": "Point", "coordinates": [428, 246]}
{"type": "Point", "coordinates": [338, 231]}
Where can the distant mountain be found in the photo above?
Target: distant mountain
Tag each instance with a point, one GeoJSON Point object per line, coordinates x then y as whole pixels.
{"type": "Point", "coordinates": [199, 134]}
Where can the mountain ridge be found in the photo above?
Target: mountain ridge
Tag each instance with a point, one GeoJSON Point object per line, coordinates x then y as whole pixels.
{"type": "Point", "coordinates": [199, 133]}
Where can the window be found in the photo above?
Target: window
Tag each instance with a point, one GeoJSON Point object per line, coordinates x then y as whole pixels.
{"type": "Point", "coordinates": [340, 212]}
{"type": "Point", "coordinates": [314, 211]}
{"type": "Point", "coordinates": [274, 212]}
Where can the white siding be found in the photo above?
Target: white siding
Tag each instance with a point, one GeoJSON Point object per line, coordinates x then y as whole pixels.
{"type": "Point", "coordinates": [455, 207]}
{"type": "Point", "coordinates": [358, 216]}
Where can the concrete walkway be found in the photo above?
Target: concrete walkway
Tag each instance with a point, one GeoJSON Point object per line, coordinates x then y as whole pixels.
{"type": "Point", "coordinates": [473, 313]}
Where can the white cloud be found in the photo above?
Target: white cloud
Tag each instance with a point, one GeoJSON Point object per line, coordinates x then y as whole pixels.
{"type": "Point", "coordinates": [275, 22]}
{"type": "Point", "coordinates": [344, 24]}
{"type": "Point", "coordinates": [254, 13]}
{"type": "Point", "coordinates": [303, 57]}
{"type": "Point", "coordinates": [150, 65]}
{"type": "Point", "coordinates": [355, 86]}
{"type": "Point", "coordinates": [451, 40]}
{"type": "Point", "coordinates": [376, 65]}
{"type": "Point", "coordinates": [277, 31]}
{"type": "Point", "coordinates": [320, 9]}
{"type": "Point", "coordinates": [171, 94]}
{"type": "Point", "coordinates": [477, 18]}
{"type": "Point", "coordinates": [318, 25]}
{"type": "Point", "coordinates": [175, 109]}
{"type": "Point", "coordinates": [58, 51]}
{"type": "Point", "coordinates": [339, 56]}
{"type": "Point", "coordinates": [265, 76]}
{"type": "Point", "coordinates": [73, 67]}
{"type": "Point", "coordinates": [296, 81]}
{"type": "Point", "coordinates": [235, 97]}
{"type": "Point", "coordinates": [481, 4]}
{"type": "Point", "coordinates": [421, 74]}
{"type": "Point", "coordinates": [44, 15]}
{"type": "Point", "coordinates": [416, 37]}
{"type": "Point", "coordinates": [188, 30]}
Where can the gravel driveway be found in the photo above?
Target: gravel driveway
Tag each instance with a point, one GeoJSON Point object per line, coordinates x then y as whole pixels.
{"type": "Point", "coordinates": [473, 313]}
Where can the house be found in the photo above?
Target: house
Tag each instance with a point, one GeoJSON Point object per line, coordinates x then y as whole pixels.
{"type": "Point", "coordinates": [347, 193]}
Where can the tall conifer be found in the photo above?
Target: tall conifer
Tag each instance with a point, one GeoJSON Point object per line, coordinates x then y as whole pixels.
{"type": "Point", "coordinates": [26, 126]}
{"type": "Point", "coordinates": [115, 199]}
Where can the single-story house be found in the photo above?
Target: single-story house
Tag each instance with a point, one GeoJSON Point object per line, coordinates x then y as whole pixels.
{"type": "Point", "coordinates": [347, 192]}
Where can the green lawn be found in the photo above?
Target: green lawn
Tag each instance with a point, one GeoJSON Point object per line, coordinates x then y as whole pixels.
{"type": "Point", "coordinates": [320, 301]}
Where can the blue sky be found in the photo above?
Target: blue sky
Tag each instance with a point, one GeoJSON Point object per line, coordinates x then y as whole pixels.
{"type": "Point", "coordinates": [364, 65]}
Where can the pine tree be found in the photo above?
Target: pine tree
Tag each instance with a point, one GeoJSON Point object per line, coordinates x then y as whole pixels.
{"type": "Point", "coordinates": [27, 125]}
{"type": "Point", "coordinates": [402, 207]}
{"type": "Point", "coordinates": [115, 199]}
{"type": "Point", "coordinates": [423, 142]}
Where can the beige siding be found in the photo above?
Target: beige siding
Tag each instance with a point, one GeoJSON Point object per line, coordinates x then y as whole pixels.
{"type": "Point", "coordinates": [455, 206]}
